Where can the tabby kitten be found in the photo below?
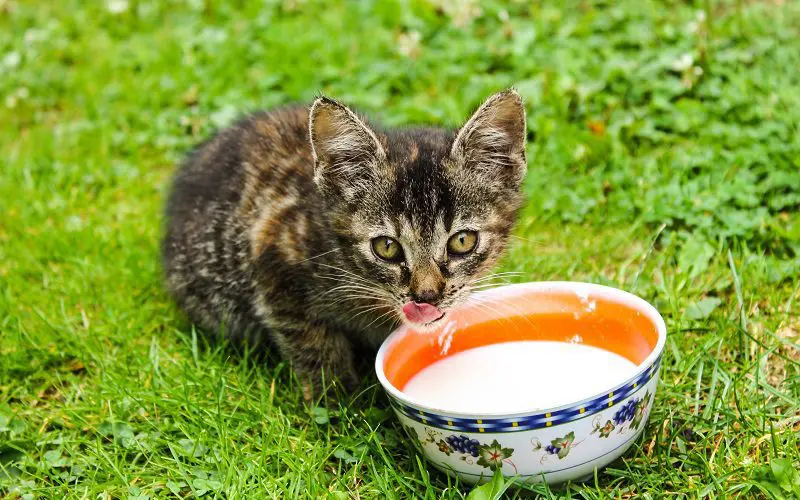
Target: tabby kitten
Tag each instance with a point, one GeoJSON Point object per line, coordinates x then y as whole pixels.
{"type": "Point", "coordinates": [318, 232]}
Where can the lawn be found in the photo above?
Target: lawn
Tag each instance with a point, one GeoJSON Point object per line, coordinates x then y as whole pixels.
{"type": "Point", "coordinates": [664, 159]}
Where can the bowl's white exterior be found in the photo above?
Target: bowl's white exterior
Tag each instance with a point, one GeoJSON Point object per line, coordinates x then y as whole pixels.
{"type": "Point", "coordinates": [565, 443]}
{"type": "Point", "coordinates": [586, 443]}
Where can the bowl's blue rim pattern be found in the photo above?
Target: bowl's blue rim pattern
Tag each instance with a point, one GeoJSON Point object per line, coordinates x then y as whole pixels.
{"type": "Point", "coordinates": [525, 423]}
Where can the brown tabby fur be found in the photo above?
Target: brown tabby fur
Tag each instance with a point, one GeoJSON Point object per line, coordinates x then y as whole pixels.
{"type": "Point", "coordinates": [269, 225]}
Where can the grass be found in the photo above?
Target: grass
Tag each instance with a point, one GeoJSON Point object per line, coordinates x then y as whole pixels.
{"type": "Point", "coordinates": [664, 159]}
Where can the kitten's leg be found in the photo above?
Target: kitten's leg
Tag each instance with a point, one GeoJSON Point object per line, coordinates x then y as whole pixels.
{"type": "Point", "coordinates": [318, 354]}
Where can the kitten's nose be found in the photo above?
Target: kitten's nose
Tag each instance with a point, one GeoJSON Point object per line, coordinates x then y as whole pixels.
{"type": "Point", "coordinates": [428, 296]}
{"type": "Point", "coordinates": [427, 283]}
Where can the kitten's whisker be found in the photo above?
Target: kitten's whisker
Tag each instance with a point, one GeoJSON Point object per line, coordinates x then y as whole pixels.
{"type": "Point", "coordinates": [486, 286]}
{"type": "Point", "coordinates": [508, 307]}
{"type": "Point", "coordinates": [380, 303]}
{"type": "Point", "coordinates": [389, 318]}
{"type": "Point", "coordinates": [357, 297]}
{"type": "Point", "coordinates": [344, 279]}
{"type": "Point", "coordinates": [493, 281]}
{"type": "Point", "coordinates": [338, 294]}
{"type": "Point", "coordinates": [354, 283]}
{"type": "Point", "coordinates": [354, 289]}
{"type": "Point", "coordinates": [473, 286]}
{"type": "Point", "coordinates": [345, 271]}
{"type": "Point", "coordinates": [317, 256]}
{"type": "Point", "coordinates": [497, 276]}
{"type": "Point", "coordinates": [366, 310]}
{"type": "Point", "coordinates": [492, 311]}
{"type": "Point", "coordinates": [351, 287]}
{"type": "Point", "coordinates": [389, 311]}
{"type": "Point", "coordinates": [371, 307]}
{"type": "Point", "coordinates": [349, 276]}
{"type": "Point", "coordinates": [348, 282]}
{"type": "Point", "coordinates": [381, 317]}
{"type": "Point", "coordinates": [526, 240]}
{"type": "Point", "coordinates": [497, 312]}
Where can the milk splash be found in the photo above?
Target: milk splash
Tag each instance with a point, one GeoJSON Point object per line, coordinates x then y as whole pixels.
{"type": "Point", "coordinates": [446, 337]}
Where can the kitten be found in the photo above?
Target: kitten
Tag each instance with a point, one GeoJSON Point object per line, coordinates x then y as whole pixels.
{"type": "Point", "coordinates": [317, 231]}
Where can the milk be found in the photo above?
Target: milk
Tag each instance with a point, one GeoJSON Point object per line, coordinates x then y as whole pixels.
{"type": "Point", "coordinates": [513, 377]}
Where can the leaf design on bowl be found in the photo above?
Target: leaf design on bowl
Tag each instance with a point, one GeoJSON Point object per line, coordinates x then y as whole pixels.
{"type": "Point", "coordinates": [605, 430]}
{"type": "Point", "coordinates": [492, 455]}
{"type": "Point", "coordinates": [640, 411]}
{"type": "Point", "coordinates": [561, 446]}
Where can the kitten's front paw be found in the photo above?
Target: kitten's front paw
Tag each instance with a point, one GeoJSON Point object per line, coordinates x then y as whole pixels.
{"type": "Point", "coordinates": [332, 386]}
{"type": "Point", "coordinates": [308, 389]}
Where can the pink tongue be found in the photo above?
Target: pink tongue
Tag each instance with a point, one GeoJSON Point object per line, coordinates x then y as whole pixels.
{"type": "Point", "coordinates": [421, 312]}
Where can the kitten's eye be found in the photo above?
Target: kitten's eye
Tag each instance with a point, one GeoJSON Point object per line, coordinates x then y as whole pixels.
{"type": "Point", "coordinates": [461, 243]}
{"type": "Point", "coordinates": [387, 249]}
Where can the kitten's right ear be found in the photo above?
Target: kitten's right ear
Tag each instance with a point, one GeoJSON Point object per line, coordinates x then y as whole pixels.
{"type": "Point", "coordinates": [345, 150]}
{"type": "Point", "coordinates": [491, 144]}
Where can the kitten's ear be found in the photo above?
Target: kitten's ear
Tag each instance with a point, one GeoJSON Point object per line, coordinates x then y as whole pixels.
{"type": "Point", "coordinates": [344, 148]}
{"type": "Point", "coordinates": [492, 142]}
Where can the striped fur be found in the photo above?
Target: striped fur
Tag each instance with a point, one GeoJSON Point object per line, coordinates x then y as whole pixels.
{"type": "Point", "coordinates": [269, 222]}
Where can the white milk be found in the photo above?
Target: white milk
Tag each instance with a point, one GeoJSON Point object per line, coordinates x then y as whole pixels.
{"type": "Point", "coordinates": [514, 377]}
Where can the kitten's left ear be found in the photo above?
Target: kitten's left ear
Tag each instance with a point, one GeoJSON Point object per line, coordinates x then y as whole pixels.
{"type": "Point", "coordinates": [345, 150]}
{"type": "Point", "coordinates": [492, 142]}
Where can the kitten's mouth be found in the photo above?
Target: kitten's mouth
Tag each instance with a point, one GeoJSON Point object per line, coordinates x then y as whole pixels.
{"type": "Point", "coordinates": [431, 323]}
{"type": "Point", "coordinates": [422, 313]}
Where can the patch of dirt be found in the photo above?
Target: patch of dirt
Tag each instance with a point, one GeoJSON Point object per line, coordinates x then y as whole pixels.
{"type": "Point", "coordinates": [779, 361]}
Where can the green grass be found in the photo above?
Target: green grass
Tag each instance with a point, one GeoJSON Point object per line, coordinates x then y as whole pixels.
{"type": "Point", "coordinates": [664, 159]}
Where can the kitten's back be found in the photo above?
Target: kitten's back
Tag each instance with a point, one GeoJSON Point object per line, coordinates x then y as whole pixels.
{"type": "Point", "coordinates": [219, 195]}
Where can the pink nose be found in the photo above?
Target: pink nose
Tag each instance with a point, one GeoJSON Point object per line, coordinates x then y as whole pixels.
{"type": "Point", "coordinates": [421, 312]}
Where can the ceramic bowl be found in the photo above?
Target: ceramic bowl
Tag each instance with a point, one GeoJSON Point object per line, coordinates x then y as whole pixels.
{"type": "Point", "coordinates": [568, 442]}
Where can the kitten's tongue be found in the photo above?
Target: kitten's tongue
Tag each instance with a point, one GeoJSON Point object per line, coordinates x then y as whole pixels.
{"type": "Point", "coordinates": [421, 312]}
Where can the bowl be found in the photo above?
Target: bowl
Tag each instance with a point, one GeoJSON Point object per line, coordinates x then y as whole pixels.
{"type": "Point", "coordinates": [567, 442]}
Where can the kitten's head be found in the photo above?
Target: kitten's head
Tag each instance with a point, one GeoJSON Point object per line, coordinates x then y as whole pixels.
{"type": "Point", "coordinates": [420, 214]}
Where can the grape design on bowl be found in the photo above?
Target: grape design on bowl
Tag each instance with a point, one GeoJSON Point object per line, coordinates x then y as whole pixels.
{"type": "Point", "coordinates": [558, 447]}
{"type": "Point", "coordinates": [626, 413]}
{"type": "Point", "coordinates": [463, 444]}
{"type": "Point", "coordinates": [633, 411]}
{"type": "Point", "coordinates": [491, 456]}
